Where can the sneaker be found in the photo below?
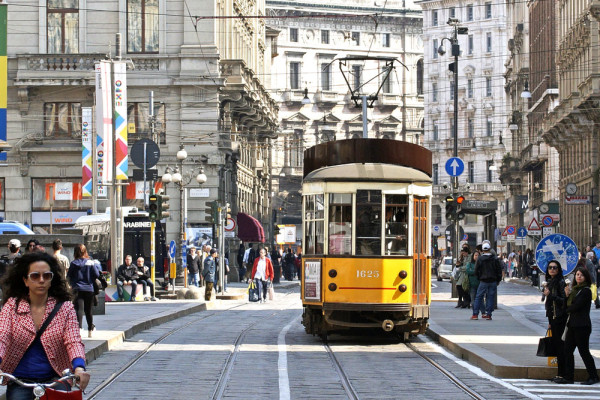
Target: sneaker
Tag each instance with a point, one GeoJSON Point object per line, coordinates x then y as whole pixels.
{"type": "Point", "coordinates": [474, 317]}
{"type": "Point", "coordinates": [488, 317]}
{"type": "Point", "coordinates": [153, 298]}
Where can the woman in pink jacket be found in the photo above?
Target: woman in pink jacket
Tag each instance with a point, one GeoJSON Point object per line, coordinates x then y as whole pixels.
{"type": "Point", "coordinates": [33, 290]}
{"type": "Point", "coordinates": [262, 273]}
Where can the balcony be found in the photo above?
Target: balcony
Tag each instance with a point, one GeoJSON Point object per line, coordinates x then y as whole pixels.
{"type": "Point", "coordinates": [388, 99]}
{"type": "Point", "coordinates": [510, 169]}
{"type": "Point", "coordinates": [327, 97]}
{"type": "Point", "coordinates": [69, 69]}
{"type": "Point", "coordinates": [291, 96]}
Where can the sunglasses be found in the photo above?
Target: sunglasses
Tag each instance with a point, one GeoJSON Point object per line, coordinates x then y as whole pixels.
{"type": "Point", "coordinates": [552, 267]}
{"type": "Point", "coordinates": [35, 276]}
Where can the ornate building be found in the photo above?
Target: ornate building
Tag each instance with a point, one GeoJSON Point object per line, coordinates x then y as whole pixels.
{"type": "Point", "coordinates": [314, 97]}
{"type": "Point", "coordinates": [207, 75]}
{"type": "Point", "coordinates": [482, 127]}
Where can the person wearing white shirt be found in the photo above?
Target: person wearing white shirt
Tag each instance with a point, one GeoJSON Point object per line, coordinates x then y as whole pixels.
{"type": "Point", "coordinates": [262, 274]}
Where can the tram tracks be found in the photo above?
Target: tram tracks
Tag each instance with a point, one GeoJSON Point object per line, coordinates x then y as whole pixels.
{"type": "Point", "coordinates": [223, 378]}
{"type": "Point", "coordinates": [353, 394]}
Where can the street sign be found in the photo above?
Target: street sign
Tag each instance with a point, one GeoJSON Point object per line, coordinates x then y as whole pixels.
{"type": "Point", "coordinates": [510, 238]}
{"type": "Point", "coordinates": [547, 220]}
{"type": "Point", "coordinates": [521, 232]}
{"type": "Point", "coordinates": [557, 247]}
{"type": "Point", "coordinates": [152, 153]}
{"type": "Point", "coordinates": [534, 232]}
{"type": "Point", "coordinates": [534, 225]}
{"type": "Point", "coordinates": [230, 225]}
{"type": "Point", "coordinates": [520, 241]}
{"type": "Point", "coordinates": [465, 238]}
{"type": "Point", "coordinates": [436, 230]}
{"type": "Point", "coordinates": [510, 230]}
{"type": "Point", "coordinates": [455, 166]}
{"type": "Point", "coordinates": [547, 230]}
{"type": "Point", "coordinates": [172, 249]}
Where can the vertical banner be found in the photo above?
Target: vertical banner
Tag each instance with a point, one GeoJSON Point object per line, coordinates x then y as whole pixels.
{"type": "Point", "coordinates": [3, 75]}
{"type": "Point", "coordinates": [86, 151]}
{"type": "Point", "coordinates": [120, 76]}
{"type": "Point", "coordinates": [104, 156]}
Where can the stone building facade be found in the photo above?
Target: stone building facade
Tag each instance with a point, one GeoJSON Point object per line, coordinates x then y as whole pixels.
{"type": "Point", "coordinates": [482, 108]}
{"type": "Point", "coordinates": [207, 75]}
{"type": "Point", "coordinates": [306, 68]}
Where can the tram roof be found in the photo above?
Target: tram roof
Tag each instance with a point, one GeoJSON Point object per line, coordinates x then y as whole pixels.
{"type": "Point", "coordinates": [412, 162]}
{"type": "Point", "coordinates": [368, 172]}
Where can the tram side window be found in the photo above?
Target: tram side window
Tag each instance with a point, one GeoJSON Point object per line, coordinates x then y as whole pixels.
{"type": "Point", "coordinates": [396, 224]}
{"type": "Point", "coordinates": [314, 237]}
{"type": "Point", "coordinates": [340, 223]}
{"type": "Point", "coordinates": [368, 222]}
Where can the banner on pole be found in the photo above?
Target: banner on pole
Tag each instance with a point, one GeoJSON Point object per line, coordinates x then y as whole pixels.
{"type": "Point", "coordinates": [120, 75]}
{"type": "Point", "coordinates": [86, 151]}
{"type": "Point", "coordinates": [104, 156]}
{"type": "Point", "coordinates": [3, 75]}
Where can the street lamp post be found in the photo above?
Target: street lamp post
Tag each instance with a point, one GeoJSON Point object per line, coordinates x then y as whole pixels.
{"type": "Point", "coordinates": [182, 180]}
{"type": "Point", "coordinates": [458, 30]}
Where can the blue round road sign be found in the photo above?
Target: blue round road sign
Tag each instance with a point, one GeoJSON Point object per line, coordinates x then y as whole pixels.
{"type": "Point", "coordinates": [455, 166]}
{"type": "Point", "coordinates": [172, 249]}
{"type": "Point", "coordinates": [522, 232]}
{"type": "Point", "coordinates": [510, 230]}
{"type": "Point", "coordinates": [547, 220]}
{"type": "Point", "coordinates": [557, 247]}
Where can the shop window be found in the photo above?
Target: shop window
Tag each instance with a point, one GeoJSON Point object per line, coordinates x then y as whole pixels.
{"type": "Point", "coordinates": [65, 194]}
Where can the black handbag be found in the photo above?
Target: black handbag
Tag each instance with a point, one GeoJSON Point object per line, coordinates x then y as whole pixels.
{"type": "Point", "coordinates": [546, 347]}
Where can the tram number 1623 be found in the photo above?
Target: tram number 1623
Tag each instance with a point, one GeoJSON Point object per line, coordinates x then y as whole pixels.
{"type": "Point", "coordinates": [361, 273]}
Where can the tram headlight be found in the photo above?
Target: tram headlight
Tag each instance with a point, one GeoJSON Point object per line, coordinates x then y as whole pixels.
{"type": "Point", "coordinates": [403, 274]}
{"type": "Point", "coordinates": [402, 288]}
{"type": "Point", "coordinates": [333, 287]}
{"type": "Point", "coordinates": [332, 273]}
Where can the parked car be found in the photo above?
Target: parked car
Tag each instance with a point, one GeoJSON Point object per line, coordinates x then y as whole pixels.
{"type": "Point", "coordinates": [14, 228]}
{"type": "Point", "coordinates": [445, 269]}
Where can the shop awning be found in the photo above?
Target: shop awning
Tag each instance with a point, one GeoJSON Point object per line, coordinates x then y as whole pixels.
{"type": "Point", "coordinates": [250, 229]}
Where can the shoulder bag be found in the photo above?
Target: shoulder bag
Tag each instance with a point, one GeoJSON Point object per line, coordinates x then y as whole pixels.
{"type": "Point", "coordinates": [545, 346]}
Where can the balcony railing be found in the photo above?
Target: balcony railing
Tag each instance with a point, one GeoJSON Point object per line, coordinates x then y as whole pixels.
{"type": "Point", "coordinates": [326, 96]}
{"type": "Point", "coordinates": [387, 99]}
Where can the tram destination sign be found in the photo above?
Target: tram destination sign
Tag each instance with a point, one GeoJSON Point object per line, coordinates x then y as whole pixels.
{"type": "Point", "coordinates": [479, 206]}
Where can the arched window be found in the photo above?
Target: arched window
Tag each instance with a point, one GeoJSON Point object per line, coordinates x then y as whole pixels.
{"type": "Point", "coordinates": [420, 77]}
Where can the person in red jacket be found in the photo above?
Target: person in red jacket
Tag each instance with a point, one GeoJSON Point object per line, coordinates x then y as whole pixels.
{"type": "Point", "coordinates": [262, 273]}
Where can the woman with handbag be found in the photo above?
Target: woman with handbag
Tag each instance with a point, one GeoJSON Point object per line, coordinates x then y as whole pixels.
{"type": "Point", "coordinates": [579, 327]}
{"type": "Point", "coordinates": [474, 283]}
{"type": "Point", "coordinates": [556, 313]}
{"type": "Point", "coordinates": [82, 274]}
{"type": "Point", "coordinates": [262, 274]}
{"type": "Point", "coordinates": [39, 334]}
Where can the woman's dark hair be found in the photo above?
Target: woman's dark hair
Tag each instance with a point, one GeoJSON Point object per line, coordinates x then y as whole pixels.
{"type": "Point", "coordinates": [586, 274]}
{"type": "Point", "coordinates": [80, 251]}
{"type": "Point", "coordinates": [560, 271]}
{"type": "Point", "coordinates": [13, 284]}
{"type": "Point", "coordinates": [35, 243]}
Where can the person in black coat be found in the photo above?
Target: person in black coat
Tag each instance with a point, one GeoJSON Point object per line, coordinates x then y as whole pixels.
{"type": "Point", "coordinates": [579, 327]}
{"type": "Point", "coordinates": [556, 311]}
{"type": "Point", "coordinates": [276, 261]}
{"type": "Point", "coordinates": [194, 264]}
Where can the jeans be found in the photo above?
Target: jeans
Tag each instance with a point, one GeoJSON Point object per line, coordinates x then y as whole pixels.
{"type": "Point", "coordinates": [263, 288]}
{"type": "Point", "coordinates": [83, 304]}
{"type": "Point", "coordinates": [120, 289]}
{"type": "Point", "coordinates": [487, 289]}
{"type": "Point", "coordinates": [473, 291]}
{"type": "Point", "coordinates": [194, 279]}
{"type": "Point", "coordinates": [580, 338]}
{"type": "Point", "coordinates": [147, 282]}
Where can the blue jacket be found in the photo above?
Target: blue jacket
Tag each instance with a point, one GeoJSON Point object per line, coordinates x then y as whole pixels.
{"type": "Point", "coordinates": [209, 269]}
{"type": "Point", "coordinates": [82, 273]}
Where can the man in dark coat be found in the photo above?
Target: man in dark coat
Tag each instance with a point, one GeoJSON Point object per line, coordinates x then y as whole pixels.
{"type": "Point", "coordinates": [209, 272]}
{"type": "Point", "coordinates": [127, 274]}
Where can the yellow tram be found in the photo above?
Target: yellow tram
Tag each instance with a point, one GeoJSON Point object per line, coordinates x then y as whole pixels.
{"type": "Point", "coordinates": [366, 261]}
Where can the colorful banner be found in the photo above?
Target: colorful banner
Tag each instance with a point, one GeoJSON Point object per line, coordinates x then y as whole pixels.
{"type": "Point", "coordinates": [86, 151]}
{"type": "Point", "coordinates": [120, 88]}
{"type": "Point", "coordinates": [3, 74]}
{"type": "Point", "coordinates": [104, 128]}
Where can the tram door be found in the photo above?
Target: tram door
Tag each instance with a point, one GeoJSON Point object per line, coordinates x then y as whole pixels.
{"type": "Point", "coordinates": [420, 282]}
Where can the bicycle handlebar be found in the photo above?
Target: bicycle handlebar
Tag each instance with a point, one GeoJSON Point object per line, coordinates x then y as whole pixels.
{"type": "Point", "coordinates": [66, 375]}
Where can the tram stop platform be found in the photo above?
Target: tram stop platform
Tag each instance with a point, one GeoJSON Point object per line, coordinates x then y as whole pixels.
{"type": "Point", "coordinates": [506, 346]}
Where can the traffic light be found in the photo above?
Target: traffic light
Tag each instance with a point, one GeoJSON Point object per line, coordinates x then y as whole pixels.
{"type": "Point", "coordinates": [164, 205]}
{"type": "Point", "coordinates": [211, 212]}
{"type": "Point", "coordinates": [460, 215]}
{"type": "Point", "coordinates": [450, 208]}
{"type": "Point", "coordinates": [154, 207]}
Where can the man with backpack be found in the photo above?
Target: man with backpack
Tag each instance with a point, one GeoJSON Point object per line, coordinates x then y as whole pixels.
{"type": "Point", "coordinates": [489, 272]}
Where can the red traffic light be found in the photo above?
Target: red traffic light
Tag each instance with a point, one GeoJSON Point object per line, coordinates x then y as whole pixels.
{"type": "Point", "coordinates": [460, 199]}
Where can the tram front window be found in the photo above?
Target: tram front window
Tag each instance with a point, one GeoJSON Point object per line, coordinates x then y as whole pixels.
{"type": "Point", "coordinates": [340, 223]}
{"type": "Point", "coordinates": [368, 222]}
{"type": "Point", "coordinates": [396, 224]}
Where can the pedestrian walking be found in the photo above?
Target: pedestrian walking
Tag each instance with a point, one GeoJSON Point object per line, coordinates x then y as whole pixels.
{"type": "Point", "coordinates": [474, 283]}
{"type": "Point", "coordinates": [276, 260]}
{"type": "Point", "coordinates": [240, 262]}
{"type": "Point", "coordinates": [489, 273]}
{"type": "Point", "coordinates": [209, 272]}
{"type": "Point", "coordinates": [289, 264]}
{"type": "Point", "coordinates": [194, 261]}
{"type": "Point", "coordinates": [82, 274]}
{"type": "Point", "coordinates": [579, 328]}
{"type": "Point", "coordinates": [462, 279]}
{"type": "Point", "coordinates": [38, 326]}
{"type": "Point", "coordinates": [556, 312]}
{"type": "Point", "coordinates": [262, 274]}
{"type": "Point", "coordinates": [63, 261]}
